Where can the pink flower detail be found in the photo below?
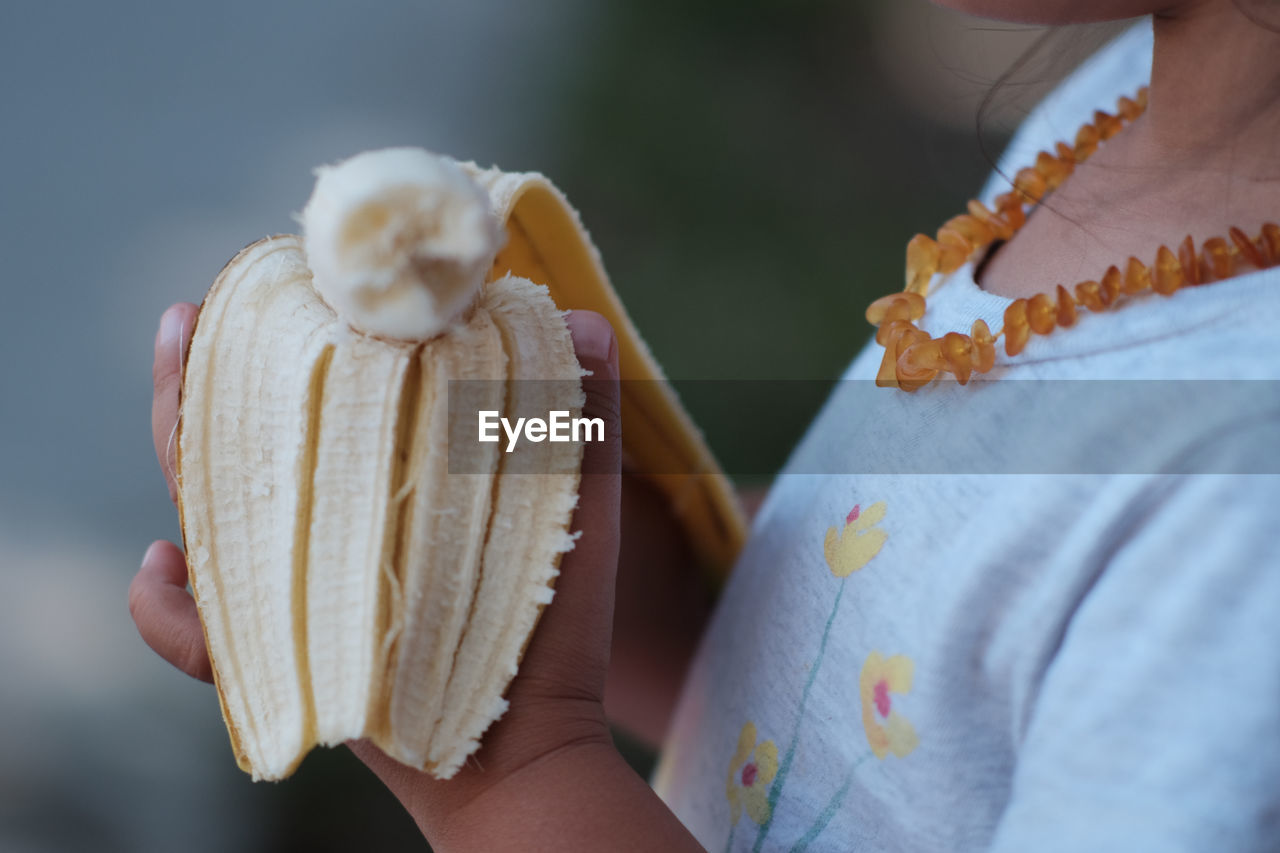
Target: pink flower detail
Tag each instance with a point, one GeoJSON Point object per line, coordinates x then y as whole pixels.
{"type": "Point", "coordinates": [751, 769]}
{"type": "Point", "coordinates": [880, 679]}
{"type": "Point", "coordinates": [881, 694]}
{"type": "Point", "coordinates": [853, 546]}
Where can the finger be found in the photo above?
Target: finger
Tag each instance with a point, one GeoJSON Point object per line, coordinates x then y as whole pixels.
{"type": "Point", "coordinates": [166, 374]}
{"type": "Point", "coordinates": [575, 629]}
{"type": "Point", "coordinates": [165, 612]}
{"type": "Point", "coordinates": [597, 349]}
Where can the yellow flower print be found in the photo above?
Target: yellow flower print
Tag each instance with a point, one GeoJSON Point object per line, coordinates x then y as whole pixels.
{"type": "Point", "coordinates": [861, 540]}
{"type": "Point", "coordinates": [887, 730]}
{"type": "Point", "coordinates": [751, 769]}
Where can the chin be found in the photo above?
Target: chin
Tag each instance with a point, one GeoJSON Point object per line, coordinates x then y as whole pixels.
{"type": "Point", "coordinates": [1054, 12]}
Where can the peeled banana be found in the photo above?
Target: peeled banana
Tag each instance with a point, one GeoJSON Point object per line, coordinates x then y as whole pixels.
{"type": "Point", "coordinates": [359, 571]}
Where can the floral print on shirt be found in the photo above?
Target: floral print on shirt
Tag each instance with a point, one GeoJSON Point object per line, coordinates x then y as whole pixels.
{"type": "Point", "coordinates": [753, 766]}
{"type": "Point", "coordinates": [751, 769]}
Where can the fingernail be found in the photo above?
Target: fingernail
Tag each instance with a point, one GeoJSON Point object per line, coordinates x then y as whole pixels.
{"type": "Point", "coordinates": [593, 338]}
{"type": "Point", "coordinates": [146, 558]}
{"type": "Point", "coordinates": [170, 329]}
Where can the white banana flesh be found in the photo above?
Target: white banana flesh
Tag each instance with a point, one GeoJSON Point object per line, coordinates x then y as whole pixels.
{"type": "Point", "coordinates": [399, 241]}
{"type": "Point", "coordinates": [534, 493]}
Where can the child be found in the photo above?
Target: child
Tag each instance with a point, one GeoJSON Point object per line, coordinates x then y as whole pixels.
{"type": "Point", "coordinates": [923, 646]}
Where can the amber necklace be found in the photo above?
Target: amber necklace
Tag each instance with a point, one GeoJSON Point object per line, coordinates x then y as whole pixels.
{"type": "Point", "coordinates": [913, 359]}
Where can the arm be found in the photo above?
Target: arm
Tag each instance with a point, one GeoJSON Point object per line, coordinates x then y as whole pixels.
{"type": "Point", "coordinates": [547, 776]}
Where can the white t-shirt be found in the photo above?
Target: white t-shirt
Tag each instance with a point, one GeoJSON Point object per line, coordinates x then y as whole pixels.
{"type": "Point", "coordinates": [1034, 614]}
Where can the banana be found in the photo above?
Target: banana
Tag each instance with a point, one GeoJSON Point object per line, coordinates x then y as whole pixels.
{"type": "Point", "coordinates": [363, 567]}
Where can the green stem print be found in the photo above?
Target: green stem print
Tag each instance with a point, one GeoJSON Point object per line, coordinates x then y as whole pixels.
{"type": "Point", "coordinates": [825, 816]}
{"type": "Point", "coordinates": [847, 550]}
{"type": "Point", "coordinates": [776, 791]}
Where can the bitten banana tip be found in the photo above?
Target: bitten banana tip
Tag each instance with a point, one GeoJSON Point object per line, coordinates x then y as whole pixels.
{"type": "Point", "coordinates": [399, 241]}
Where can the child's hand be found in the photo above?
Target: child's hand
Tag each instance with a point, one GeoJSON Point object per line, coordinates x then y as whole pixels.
{"type": "Point", "coordinates": [554, 737]}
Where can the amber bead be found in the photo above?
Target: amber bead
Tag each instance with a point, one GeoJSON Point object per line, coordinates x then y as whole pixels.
{"type": "Point", "coordinates": [984, 346]}
{"type": "Point", "coordinates": [1066, 308]}
{"type": "Point", "coordinates": [971, 228]}
{"type": "Point", "coordinates": [909, 337]}
{"type": "Point", "coordinates": [1009, 205]}
{"type": "Point", "coordinates": [957, 355]}
{"type": "Point", "coordinates": [1187, 258]}
{"type": "Point", "coordinates": [922, 263]}
{"type": "Point", "coordinates": [1128, 108]}
{"type": "Point", "coordinates": [890, 330]}
{"type": "Point", "coordinates": [978, 210]}
{"type": "Point", "coordinates": [998, 224]}
{"type": "Point", "coordinates": [890, 336]}
{"type": "Point", "coordinates": [1271, 242]}
{"type": "Point", "coordinates": [1248, 249]}
{"type": "Point", "coordinates": [1066, 159]}
{"type": "Point", "coordinates": [1030, 183]}
{"type": "Point", "coordinates": [1016, 328]}
{"type": "Point", "coordinates": [916, 303]}
{"type": "Point", "coordinates": [1107, 124]}
{"type": "Point", "coordinates": [910, 374]}
{"type": "Point", "coordinates": [896, 306]}
{"type": "Point", "coordinates": [953, 250]}
{"type": "Point", "coordinates": [1008, 200]}
{"type": "Point", "coordinates": [1087, 139]}
{"type": "Point", "coordinates": [910, 385]}
{"type": "Point", "coordinates": [1053, 170]}
{"type": "Point", "coordinates": [885, 309]}
{"type": "Point", "coordinates": [1111, 286]}
{"type": "Point", "coordinates": [1137, 277]}
{"type": "Point", "coordinates": [1042, 314]}
{"type": "Point", "coordinates": [1217, 255]}
{"type": "Point", "coordinates": [921, 357]}
{"type": "Point", "coordinates": [1089, 294]}
{"type": "Point", "coordinates": [887, 375]}
{"type": "Point", "coordinates": [1167, 277]}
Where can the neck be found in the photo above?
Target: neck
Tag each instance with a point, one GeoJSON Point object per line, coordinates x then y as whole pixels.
{"type": "Point", "coordinates": [1206, 153]}
{"type": "Point", "coordinates": [1203, 157]}
{"type": "Point", "coordinates": [1215, 91]}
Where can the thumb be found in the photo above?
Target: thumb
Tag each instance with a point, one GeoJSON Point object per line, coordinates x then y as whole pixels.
{"type": "Point", "coordinates": [597, 350]}
{"type": "Point", "coordinates": [573, 636]}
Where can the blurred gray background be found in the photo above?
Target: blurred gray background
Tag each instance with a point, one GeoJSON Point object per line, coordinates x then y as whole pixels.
{"type": "Point", "coordinates": [750, 170]}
